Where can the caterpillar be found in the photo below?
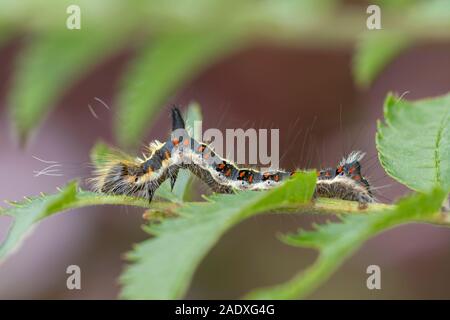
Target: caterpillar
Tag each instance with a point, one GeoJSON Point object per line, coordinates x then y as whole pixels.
{"type": "Point", "coordinates": [141, 177]}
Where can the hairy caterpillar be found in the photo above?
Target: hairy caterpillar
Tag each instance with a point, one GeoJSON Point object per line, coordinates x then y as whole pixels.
{"type": "Point", "coordinates": [141, 177]}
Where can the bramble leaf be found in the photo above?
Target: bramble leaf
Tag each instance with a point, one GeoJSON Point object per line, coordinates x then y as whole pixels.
{"type": "Point", "coordinates": [47, 67]}
{"type": "Point", "coordinates": [374, 51]}
{"type": "Point", "coordinates": [162, 267]}
{"type": "Point", "coordinates": [414, 142]}
{"type": "Point", "coordinates": [337, 241]}
{"type": "Point", "coordinates": [28, 213]}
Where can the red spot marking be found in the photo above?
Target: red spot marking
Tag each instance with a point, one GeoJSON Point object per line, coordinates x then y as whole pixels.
{"type": "Point", "coordinates": [241, 174]}
{"type": "Point", "coordinates": [357, 178]}
{"type": "Point", "coordinates": [228, 173]}
{"type": "Point", "coordinates": [221, 166]}
{"type": "Point", "coordinates": [327, 174]}
{"type": "Point", "coordinates": [340, 169]}
{"type": "Point", "coordinates": [250, 179]}
{"type": "Point", "coordinates": [277, 177]}
{"type": "Point", "coordinates": [175, 141]}
{"type": "Point", "coordinates": [206, 156]}
{"type": "Point", "coordinates": [352, 169]}
{"type": "Point", "coordinates": [186, 142]}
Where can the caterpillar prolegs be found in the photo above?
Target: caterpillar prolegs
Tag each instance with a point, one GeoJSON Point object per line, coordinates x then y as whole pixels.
{"type": "Point", "coordinates": [141, 177]}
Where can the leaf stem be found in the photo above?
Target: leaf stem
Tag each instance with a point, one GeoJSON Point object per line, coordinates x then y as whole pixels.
{"type": "Point", "coordinates": [318, 206]}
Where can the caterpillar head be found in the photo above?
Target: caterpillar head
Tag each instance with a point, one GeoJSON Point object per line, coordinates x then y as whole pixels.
{"type": "Point", "coordinates": [351, 167]}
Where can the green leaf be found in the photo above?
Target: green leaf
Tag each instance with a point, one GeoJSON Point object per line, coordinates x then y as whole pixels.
{"type": "Point", "coordinates": [27, 213]}
{"type": "Point", "coordinates": [158, 70]}
{"type": "Point", "coordinates": [48, 65]}
{"type": "Point", "coordinates": [162, 267]}
{"type": "Point", "coordinates": [431, 13]}
{"type": "Point", "coordinates": [414, 142]}
{"type": "Point", "coordinates": [337, 241]}
{"type": "Point", "coordinates": [374, 51]}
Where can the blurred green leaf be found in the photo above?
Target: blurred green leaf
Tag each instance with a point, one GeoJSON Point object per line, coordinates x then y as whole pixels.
{"type": "Point", "coordinates": [375, 50]}
{"type": "Point", "coordinates": [48, 65]}
{"type": "Point", "coordinates": [432, 13]}
{"type": "Point", "coordinates": [337, 241]}
{"type": "Point", "coordinates": [414, 142]}
{"type": "Point", "coordinates": [6, 33]}
{"type": "Point", "coordinates": [159, 69]}
{"type": "Point", "coordinates": [395, 4]}
{"type": "Point", "coordinates": [162, 267]}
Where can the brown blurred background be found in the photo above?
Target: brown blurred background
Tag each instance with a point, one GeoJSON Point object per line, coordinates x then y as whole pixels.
{"type": "Point", "coordinates": [308, 93]}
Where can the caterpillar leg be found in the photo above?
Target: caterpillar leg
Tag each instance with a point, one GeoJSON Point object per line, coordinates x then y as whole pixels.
{"type": "Point", "coordinates": [173, 178]}
{"type": "Point", "coordinates": [150, 194]}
